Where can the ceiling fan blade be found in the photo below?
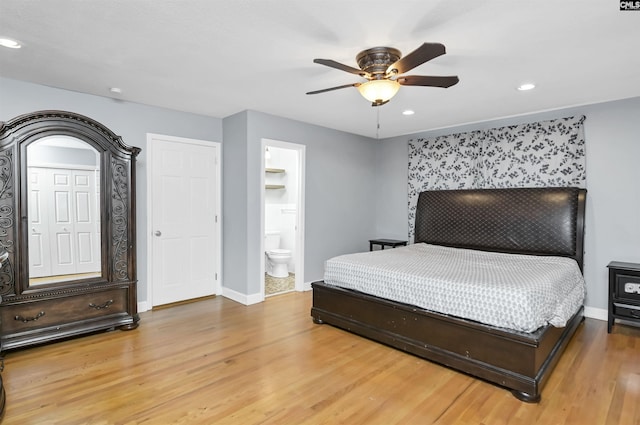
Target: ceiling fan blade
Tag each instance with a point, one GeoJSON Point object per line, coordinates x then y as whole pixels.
{"type": "Point", "coordinates": [422, 54]}
{"type": "Point", "coordinates": [340, 66]}
{"type": "Point", "coordinates": [424, 80]}
{"type": "Point", "coordinates": [334, 88]}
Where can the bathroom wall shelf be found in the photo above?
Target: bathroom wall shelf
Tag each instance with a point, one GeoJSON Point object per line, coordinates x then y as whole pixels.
{"type": "Point", "coordinates": [274, 186]}
{"type": "Point", "coordinates": [274, 170]}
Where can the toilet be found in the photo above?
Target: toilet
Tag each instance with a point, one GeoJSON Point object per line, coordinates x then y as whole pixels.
{"type": "Point", "coordinates": [276, 258]}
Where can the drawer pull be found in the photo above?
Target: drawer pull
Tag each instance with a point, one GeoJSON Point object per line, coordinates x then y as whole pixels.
{"type": "Point", "coordinates": [100, 307]}
{"type": "Point", "coordinates": [29, 319]}
{"type": "Point", "coordinates": [634, 314]}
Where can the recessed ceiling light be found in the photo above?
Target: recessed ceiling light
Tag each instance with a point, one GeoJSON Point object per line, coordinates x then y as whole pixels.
{"type": "Point", "coordinates": [7, 42]}
{"type": "Point", "coordinates": [526, 86]}
{"type": "Point", "coordinates": [408, 112]}
{"type": "Point", "coordinates": [115, 90]}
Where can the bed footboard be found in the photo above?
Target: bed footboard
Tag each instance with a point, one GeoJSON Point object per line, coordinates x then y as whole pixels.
{"type": "Point", "coordinates": [518, 361]}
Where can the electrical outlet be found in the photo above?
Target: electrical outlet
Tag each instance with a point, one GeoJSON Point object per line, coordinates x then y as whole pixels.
{"type": "Point", "coordinates": [632, 288]}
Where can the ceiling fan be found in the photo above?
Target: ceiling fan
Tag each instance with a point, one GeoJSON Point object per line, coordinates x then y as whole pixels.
{"type": "Point", "coordinates": [382, 66]}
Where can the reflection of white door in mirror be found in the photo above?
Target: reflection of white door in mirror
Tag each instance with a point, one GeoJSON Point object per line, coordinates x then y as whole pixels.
{"type": "Point", "coordinates": [64, 213]}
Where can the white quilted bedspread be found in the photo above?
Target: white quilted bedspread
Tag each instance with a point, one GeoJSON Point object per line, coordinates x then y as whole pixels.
{"type": "Point", "coordinates": [519, 292]}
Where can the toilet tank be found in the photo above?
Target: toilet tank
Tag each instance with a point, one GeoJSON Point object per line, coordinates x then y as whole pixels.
{"type": "Point", "coordinates": [271, 240]}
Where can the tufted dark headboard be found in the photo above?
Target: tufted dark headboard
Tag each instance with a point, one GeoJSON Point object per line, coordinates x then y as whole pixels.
{"type": "Point", "coordinates": [538, 221]}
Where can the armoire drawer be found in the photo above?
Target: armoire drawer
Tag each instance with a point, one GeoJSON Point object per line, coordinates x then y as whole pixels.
{"type": "Point", "coordinates": [51, 312]}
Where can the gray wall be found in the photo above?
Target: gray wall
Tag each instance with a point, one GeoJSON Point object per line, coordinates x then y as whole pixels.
{"type": "Point", "coordinates": [58, 155]}
{"type": "Point", "coordinates": [613, 184]}
{"type": "Point", "coordinates": [340, 179]}
{"type": "Point", "coordinates": [131, 121]}
{"type": "Point", "coordinates": [356, 187]}
{"type": "Point", "coordinates": [339, 194]}
{"type": "Point", "coordinates": [235, 204]}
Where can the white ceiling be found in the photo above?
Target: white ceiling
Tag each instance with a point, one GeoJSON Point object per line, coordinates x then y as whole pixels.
{"type": "Point", "coordinates": [218, 58]}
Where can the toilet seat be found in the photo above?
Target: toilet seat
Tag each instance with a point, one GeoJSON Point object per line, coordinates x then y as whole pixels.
{"type": "Point", "coordinates": [279, 252]}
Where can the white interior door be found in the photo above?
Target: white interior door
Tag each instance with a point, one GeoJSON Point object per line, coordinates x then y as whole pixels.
{"type": "Point", "coordinates": [184, 212]}
{"type": "Point", "coordinates": [39, 251]}
{"type": "Point", "coordinates": [63, 247]}
{"type": "Point", "coordinates": [86, 232]}
{"type": "Point", "coordinates": [64, 222]}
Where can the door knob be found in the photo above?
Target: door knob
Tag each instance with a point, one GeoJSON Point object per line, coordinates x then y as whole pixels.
{"type": "Point", "coordinates": [157, 233]}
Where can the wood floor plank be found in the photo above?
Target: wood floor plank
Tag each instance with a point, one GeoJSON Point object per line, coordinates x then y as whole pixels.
{"type": "Point", "coordinates": [217, 361]}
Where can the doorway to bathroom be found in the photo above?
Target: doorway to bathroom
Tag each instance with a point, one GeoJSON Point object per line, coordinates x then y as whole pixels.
{"type": "Point", "coordinates": [282, 217]}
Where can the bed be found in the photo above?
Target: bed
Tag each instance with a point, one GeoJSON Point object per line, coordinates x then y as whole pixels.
{"type": "Point", "coordinates": [541, 222]}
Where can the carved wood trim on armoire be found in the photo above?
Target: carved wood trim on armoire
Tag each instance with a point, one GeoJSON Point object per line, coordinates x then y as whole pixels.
{"type": "Point", "coordinates": [46, 308]}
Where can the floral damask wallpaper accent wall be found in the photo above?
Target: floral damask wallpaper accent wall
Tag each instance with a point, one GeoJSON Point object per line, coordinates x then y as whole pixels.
{"type": "Point", "coordinates": [545, 153]}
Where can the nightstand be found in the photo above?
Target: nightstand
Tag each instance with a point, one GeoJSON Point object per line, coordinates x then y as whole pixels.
{"type": "Point", "coordinates": [624, 292]}
{"type": "Point", "coordinates": [385, 242]}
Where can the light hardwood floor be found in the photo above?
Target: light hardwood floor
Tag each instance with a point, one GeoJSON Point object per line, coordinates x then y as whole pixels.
{"type": "Point", "coordinates": [219, 362]}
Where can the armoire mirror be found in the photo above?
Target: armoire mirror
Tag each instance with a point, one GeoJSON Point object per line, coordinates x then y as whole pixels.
{"type": "Point", "coordinates": [67, 221]}
{"type": "Point", "coordinates": [63, 184]}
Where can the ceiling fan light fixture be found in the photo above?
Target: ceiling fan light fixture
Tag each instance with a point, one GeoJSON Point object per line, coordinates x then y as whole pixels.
{"type": "Point", "coordinates": [379, 91]}
{"type": "Point", "coordinates": [381, 67]}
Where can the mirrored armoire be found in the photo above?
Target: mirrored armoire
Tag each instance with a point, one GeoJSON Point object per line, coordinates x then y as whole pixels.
{"type": "Point", "coordinates": [67, 224]}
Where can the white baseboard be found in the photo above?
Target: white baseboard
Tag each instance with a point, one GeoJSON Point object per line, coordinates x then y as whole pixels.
{"type": "Point", "coordinates": [596, 313]}
{"type": "Point", "coordinates": [143, 306]}
{"type": "Point", "coordinates": [242, 298]}
{"type": "Point", "coordinates": [252, 298]}
{"type": "Point", "coordinates": [226, 292]}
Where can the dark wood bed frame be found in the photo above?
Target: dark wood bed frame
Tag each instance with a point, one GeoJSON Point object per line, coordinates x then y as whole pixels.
{"type": "Point", "coordinates": [538, 221]}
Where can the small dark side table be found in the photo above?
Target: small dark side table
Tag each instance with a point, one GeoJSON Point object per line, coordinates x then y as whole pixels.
{"type": "Point", "coordinates": [386, 242]}
{"type": "Point", "coordinates": [624, 292]}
